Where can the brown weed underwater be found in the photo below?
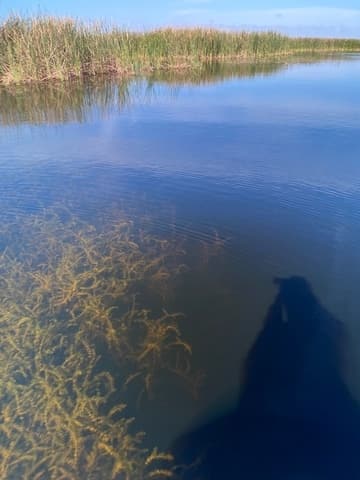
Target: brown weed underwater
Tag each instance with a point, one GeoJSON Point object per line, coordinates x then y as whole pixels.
{"type": "Point", "coordinates": [69, 298]}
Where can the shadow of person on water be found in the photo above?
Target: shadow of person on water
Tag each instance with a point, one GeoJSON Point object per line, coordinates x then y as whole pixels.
{"type": "Point", "coordinates": [295, 418]}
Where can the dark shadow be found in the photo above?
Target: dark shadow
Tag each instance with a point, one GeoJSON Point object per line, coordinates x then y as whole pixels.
{"type": "Point", "coordinates": [295, 418]}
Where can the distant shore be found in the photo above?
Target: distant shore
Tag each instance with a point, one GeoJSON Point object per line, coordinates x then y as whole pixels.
{"type": "Point", "coordinates": [48, 48]}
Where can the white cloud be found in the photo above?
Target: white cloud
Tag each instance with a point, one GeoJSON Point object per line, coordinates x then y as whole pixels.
{"type": "Point", "coordinates": [303, 16]}
{"type": "Point", "coordinates": [190, 12]}
{"type": "Point", "coordinates": [196, 2]}
{"type": "Point", "coordinates": [298, 19]}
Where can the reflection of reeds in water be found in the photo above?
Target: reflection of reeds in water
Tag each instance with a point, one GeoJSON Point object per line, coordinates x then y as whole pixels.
{"type": "Point", "coordinates": [78, 100]}
{"type": "Point", "coordinates": [46, 48]}
{"type": "Point", "coordinates": [67, 300]}
{"type": "Point", "coordinates": [60, 103]}
{"type": "Point", "coordinates": [211, 72]}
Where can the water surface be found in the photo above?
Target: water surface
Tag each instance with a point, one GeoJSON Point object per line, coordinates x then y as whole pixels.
{"type": "Point", "coordinates": [254, 170]}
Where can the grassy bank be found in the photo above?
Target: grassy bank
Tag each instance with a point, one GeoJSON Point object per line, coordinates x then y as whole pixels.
{"type": "Point", "coordinates": [45, 48]}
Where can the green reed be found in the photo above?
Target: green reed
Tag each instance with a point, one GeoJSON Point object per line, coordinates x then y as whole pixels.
{"type": "Point", "coordinates": [45, 48]}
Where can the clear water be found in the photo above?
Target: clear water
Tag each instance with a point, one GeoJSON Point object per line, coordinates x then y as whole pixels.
{"type": "Point", "coordinates": [254, 170]}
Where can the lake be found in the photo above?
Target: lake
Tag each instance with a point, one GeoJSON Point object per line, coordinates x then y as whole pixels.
{"type": "Point", "coordinates": [210, 185]}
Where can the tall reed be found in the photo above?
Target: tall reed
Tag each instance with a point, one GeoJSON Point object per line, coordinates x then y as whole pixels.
{"type": "Point", "coordinates": [45, 48]}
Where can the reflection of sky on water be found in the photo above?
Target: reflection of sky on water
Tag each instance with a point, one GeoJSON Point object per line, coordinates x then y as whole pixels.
{"type": "Point", "coordinates": [268, 128]}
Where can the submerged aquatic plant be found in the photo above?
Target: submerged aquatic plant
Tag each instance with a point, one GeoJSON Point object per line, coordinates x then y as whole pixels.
{"type": "Point", "coordinates": [70, 299]}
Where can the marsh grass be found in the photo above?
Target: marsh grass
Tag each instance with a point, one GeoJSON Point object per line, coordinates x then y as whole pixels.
{"type": "Point", "coordinates": [45, 48]}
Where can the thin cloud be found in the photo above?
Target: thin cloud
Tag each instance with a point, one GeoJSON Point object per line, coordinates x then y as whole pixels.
{"type": "Point", "coordinates": [196, 2]}
{"type": "Point", "coordinates": [306, 17]}
{"type": "Point", "coordinates": [190, 12]}
{"type": "Point", "coordinates": [295, 16]}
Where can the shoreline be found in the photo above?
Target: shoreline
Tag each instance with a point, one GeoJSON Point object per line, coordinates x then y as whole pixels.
{"type": "Point", "coordinates": [190, 65]}
{"type": "Point", "coordinates": [47, 49]}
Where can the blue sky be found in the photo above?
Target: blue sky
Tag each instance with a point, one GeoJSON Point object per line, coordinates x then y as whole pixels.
{"type": "Point", "coordinates": [317, 17]}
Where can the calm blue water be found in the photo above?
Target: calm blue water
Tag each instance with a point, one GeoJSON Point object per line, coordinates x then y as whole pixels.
{"type": "Point", "coordinates": [265, 167]}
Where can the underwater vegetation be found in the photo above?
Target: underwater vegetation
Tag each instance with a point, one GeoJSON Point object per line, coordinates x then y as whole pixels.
{"type": "Point", "coordinates": [70, 303]}
{"type": "Point", "coordinates": [47, 48]}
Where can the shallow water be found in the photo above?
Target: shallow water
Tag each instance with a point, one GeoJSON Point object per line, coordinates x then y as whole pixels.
{"type": "Point", "coordinates": [254, 170]}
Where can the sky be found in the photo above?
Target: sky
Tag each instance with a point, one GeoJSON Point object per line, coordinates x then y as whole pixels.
{"type": "Point", "coordinates": [339, 18]}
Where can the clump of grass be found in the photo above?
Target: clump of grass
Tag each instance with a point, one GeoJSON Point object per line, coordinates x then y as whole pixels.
{"type": "Point", "coordinates": [45, 48]}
